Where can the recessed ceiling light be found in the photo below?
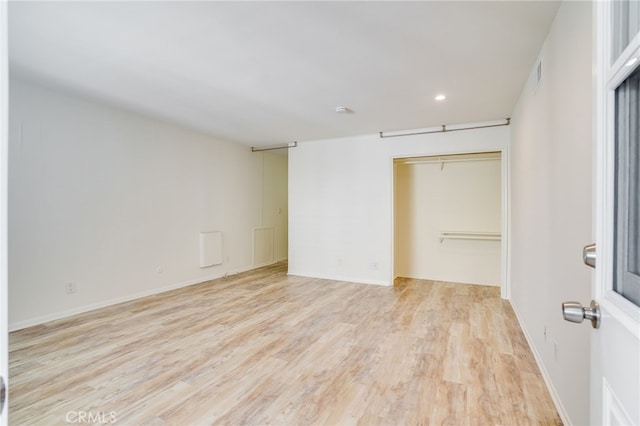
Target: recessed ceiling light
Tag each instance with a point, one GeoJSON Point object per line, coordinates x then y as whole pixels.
{"type": "Point", "coordinates": [343, 109]}
{"type": "Point", "coordinates": [440, 97]}
{"type": "Point", "coordinates": [631, 62]}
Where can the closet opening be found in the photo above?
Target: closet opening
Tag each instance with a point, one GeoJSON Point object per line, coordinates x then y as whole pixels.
{"type": "Point", "coordinates": [448, 218]}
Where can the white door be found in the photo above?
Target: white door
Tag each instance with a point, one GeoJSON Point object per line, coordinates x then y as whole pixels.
{"type": "Point", "coordinates": [615, 345]}
{"type": "Point", "coordinates": [4, 137]}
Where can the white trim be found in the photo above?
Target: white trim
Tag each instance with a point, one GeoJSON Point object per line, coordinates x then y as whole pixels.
{"type": "Point", "coordinates": [93, 306]}
{"type": "Point", "coordinates": [340, 278]}
{"type": "Point", "coordinates": [618, 72]}
{"type": "Point", "coordinates": [4, 155]}
{"type": "Point", "coordinates": [505, 287]}
{"type": "Point", "coordinates": [562, 412]}
{"type": "Point", "coordinates": [602, 197]}
{"type": "Point", "coordinates": [392, 205]}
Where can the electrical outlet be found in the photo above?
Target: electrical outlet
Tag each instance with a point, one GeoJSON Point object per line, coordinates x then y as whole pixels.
{"type": "Point", "coordinates": [70, 288]}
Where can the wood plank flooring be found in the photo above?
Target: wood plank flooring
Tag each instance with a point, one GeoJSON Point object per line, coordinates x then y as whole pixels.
{"type": "Point", "coordinates": [266, 348]}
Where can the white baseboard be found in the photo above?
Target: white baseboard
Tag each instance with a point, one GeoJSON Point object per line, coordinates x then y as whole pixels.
{"type": "Point", "coordinates": [86, 308]}
{"type": "Point", "coordinates": [340, 278]}
{"type": "Point", "coordinates": [562, 412]}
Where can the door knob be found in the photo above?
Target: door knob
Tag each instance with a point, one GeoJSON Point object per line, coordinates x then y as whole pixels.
{"type": "Point", "coordinates": [575, 312]}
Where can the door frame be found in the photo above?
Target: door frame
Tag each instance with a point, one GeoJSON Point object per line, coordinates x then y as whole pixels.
{"type": "Point", "coordinates": [505, 288]}
{"type": "Point", "coordinates": [4, 150]}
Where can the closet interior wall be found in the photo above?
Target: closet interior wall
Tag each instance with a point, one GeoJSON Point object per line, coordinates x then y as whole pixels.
{"type": "Point", "coordinates": [448, 218]}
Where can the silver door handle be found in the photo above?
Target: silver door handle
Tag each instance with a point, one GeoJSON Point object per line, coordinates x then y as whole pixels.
{"type": "Point", "coordinates": [575, 312]}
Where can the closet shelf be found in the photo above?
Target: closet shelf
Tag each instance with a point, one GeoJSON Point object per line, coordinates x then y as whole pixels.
{"type": "Point", "coordinates": [466, 235]}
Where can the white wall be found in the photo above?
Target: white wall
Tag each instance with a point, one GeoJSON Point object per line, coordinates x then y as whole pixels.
{"type": "Point", "coordinates": [105, 199]}
{"type": "Point", "coordinates": [341, 199]}
{"type": "Point", "coordinates": [456, 196]}
{"type": "Point", "coordinates": [551, 193]}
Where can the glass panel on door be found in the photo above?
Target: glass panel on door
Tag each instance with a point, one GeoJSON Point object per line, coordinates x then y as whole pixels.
{"type": "Point", "coordinates": [627, 189]}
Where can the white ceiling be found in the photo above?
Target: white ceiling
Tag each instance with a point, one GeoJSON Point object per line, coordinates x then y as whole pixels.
{"type": "Point", "coordinates": [265, 73]}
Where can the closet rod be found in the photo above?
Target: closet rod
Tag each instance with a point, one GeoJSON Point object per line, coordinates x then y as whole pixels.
{"type": "Point", "coordinates": [445, 160]}
{"type": "Point", "coordinates": [469, 235]}
{"type": "Point", "coordinates": [443, 129]}
{"type": "Point", "coordinates": [291, 145]}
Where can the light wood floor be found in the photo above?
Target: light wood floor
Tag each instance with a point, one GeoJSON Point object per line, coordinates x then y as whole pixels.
{"type": "Point", "coordinates": [266, 348]}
